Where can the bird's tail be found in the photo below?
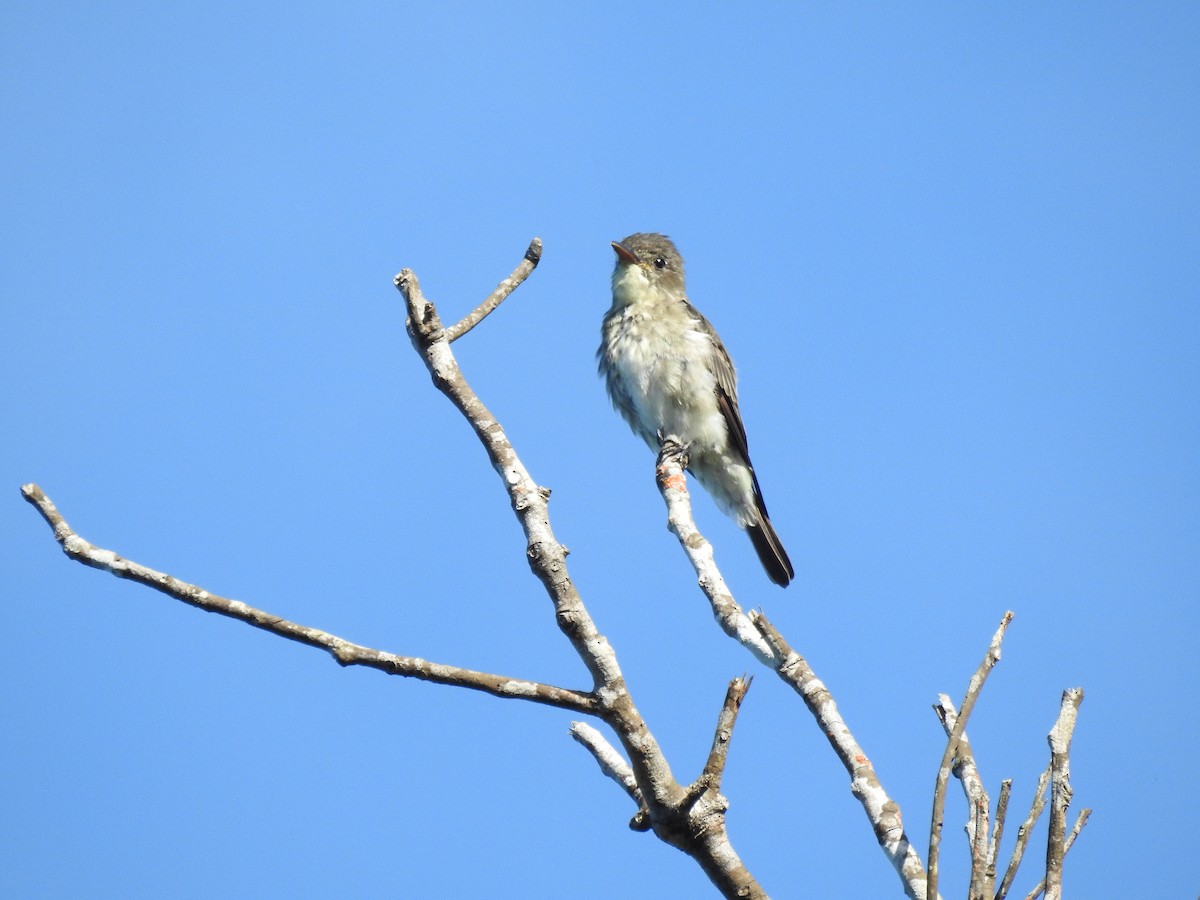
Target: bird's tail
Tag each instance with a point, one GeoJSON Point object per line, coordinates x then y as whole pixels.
{"type": "Point", "coordinates": [770, 550]}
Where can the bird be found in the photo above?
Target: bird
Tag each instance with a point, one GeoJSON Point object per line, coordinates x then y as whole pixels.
{"type": "Point", "coordinates": [669, 375]}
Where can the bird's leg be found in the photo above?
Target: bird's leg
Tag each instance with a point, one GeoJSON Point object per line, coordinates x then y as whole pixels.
{"type": "Point", "coordinates": [669, 445]}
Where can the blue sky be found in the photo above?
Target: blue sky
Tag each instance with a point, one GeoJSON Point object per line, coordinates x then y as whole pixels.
{"type": "Point", "coordinates": [952, 250]}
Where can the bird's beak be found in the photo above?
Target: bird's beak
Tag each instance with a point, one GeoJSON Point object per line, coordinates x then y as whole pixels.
{"type": "Point", "coordinates": [624, 254]}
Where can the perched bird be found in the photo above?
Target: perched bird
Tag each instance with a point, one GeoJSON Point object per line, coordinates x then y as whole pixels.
{"type": "Point", "coordinates": [669, 375]}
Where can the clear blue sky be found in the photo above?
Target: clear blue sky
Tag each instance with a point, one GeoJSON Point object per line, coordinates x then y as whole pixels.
{"type": "Point", "coordinates": [952, 249]}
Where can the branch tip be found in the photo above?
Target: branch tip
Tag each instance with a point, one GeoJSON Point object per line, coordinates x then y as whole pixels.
{"type": "Point", "coordinates": [533, 255]}
{"type": "Point", "coordinates": [974, 687]}
{"type": "Point", "coordinates": [714, 767]}
{"type": "Point", "coordinates": [344, 652]}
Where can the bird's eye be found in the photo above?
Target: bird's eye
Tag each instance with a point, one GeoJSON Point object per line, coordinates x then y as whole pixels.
{"type": "Point", "coordinates": [659, 262]}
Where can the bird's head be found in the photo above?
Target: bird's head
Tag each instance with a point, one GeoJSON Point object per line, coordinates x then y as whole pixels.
{"type": "Point", "coordinates": [647, 261]}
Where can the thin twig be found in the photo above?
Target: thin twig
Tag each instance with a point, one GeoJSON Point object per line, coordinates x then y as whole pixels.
{"type": "Point", "coordinates": [1024, 833]}
{"type": "Point", "coordinates": [714, 768]}
{"type": "Point", "coordinates": [967, 772]}
{"type": "Point", "coordinates": [1080, 821]}
{"type": "Point", "coordinates": [997, 833]}
{"type": "Point", "coordinates": [610, 760]}
{"type": "Point", "coordinates": [345, 652]}
{"type": "Point", "coordinates": [1059, 739]}
{"type": "Point", "coordinates": [939, 793]}
{"type": "Point", "coordinates": [533, 256]}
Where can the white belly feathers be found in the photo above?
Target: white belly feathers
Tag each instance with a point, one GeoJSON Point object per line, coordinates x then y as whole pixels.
{"type": "Point", "coordinates": [656, 374]}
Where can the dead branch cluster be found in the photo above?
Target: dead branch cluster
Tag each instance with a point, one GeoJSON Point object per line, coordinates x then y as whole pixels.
{"type": "Point", "coordinates": [689, 816]}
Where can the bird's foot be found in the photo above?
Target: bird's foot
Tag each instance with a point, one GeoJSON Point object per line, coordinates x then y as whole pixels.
{"type": "Point", "coordinates": [671, 446]}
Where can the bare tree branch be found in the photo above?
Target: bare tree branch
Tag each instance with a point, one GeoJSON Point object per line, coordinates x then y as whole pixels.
{"type": "Point", "coordinates": [694, 824]}
{"type": "Point", "coordinates": [939, 792]}
{"type": "Point", "coordinates": [882, 811]}
{"type": "Point", "coordinates": [770, 648]}
{"type": "Point", "coordinates": [690, 818]}
{"type": "Point", "coordinates": [774, 652]}
{"type": "Point", "coordinates": [697, 828]}
{"type": "Point", "coordinates": [998, 833]}
{"type": "Point", "coordinates": [729, 615]}
{"type": "Point", "coordinates": [714, 768]}
{"type": "Point", "coordinates": [1024, 833]}
{"type": "Point", "coordinates": [343, 651]}
{"type": "Point", "coordinates": [1080, 821]}
{"type": "Point", "coordinates": [1060, 788]}
{"type": "Point", "coordinates": [533, 256]}
{"type": "Point", "coordinates": [610, 760]}
{"type": "Point", "coordinates": [978, 802]}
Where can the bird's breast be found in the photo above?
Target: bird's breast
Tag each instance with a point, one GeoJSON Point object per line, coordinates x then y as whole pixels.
{"type": "Point", "coordinates": [664, 365]}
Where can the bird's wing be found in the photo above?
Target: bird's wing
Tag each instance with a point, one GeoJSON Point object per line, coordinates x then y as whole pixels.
{"type": "Point", "coordinates": [727, 403]}
{"type": "Point", "coordinates": [726, 377]}
{"type": "Point", "coordinates": [733, 421]}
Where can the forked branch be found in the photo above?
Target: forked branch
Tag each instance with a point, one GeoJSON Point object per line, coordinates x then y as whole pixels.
{"type": "Point", "coordinates": [695, 823]}
{"type": "Point", "coordinates": [978, 802]}
{"type": "Point", "coordinates": [691, 818]}
{"type": "Point", "coordinates": [1060, 788]}
{"type": "Point", "coordinates": [764, 641]}
{"type": "Point", "coordinates": [939, 793]}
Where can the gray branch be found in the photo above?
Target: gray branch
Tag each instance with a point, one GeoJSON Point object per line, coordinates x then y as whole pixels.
{"type": "Point", "coordinates": [343, 651]}
{"type": "Point", "coordinates": [998, 833]}
{"type": "Point", "coordinates": [533, 256]}
{"type": "Point", "coordinates": [763, 640]}
{"type": "Point", "coordinates": [978, 802]}
{"type": "Point", "coordinates": [1023, 834]}
{"type": "Point", "coordinates": [729, 615]}
{"type": "Point", "coordinates": [1080, 821]}
{"type": "Point", "coordinates": [608, 758]}
{"type": "Point", "coordinates": [714, 768]}
{"type": "Point", "coordinates": [690, 818]}
{"type": "Point", "coordinates": [1060, 788]}
{"type": "Point", "coordinates": [939, 792]}
{"type": "Point", "coordinates": [694, 825]}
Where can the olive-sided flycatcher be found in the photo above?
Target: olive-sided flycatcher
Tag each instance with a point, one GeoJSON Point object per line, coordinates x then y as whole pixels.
{"type": "Point", "coordinates": [669, 375]}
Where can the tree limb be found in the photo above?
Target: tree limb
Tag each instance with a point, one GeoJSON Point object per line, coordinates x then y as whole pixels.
{"type": "Point", "coordinates": [1080, 821]}
{"type": "Point", "coordinates": [714, 768]}
{"type": "Point", "coordinates": [1060, 788]}
{"type": "Point", "coordinates": [533, 256]}
{"type": "Point", "coordinates": [997, 833]}
{"type": "Point", "coordinates": [761, 638]}
{"type": "Point", "coordinates": [939, 792]}
{"type": "Point", "coordinates": [692, 818]}
{"type": "Point", "coordinates": [696, 828]}
{"type": "Point", "coordinates": [965, 769]}
{"type": "Point", "coordinates": [343, 651]}
{"type": "Point", "coordinates": [1024, 833]}
{"type": "Point", "coordinates": [610, 761]}
{"type": "Point", "coordinates": [729, 615]}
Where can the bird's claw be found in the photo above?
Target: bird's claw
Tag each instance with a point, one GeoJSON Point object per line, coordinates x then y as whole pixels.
{"type": "Point", "coordinates": [670, 445]}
